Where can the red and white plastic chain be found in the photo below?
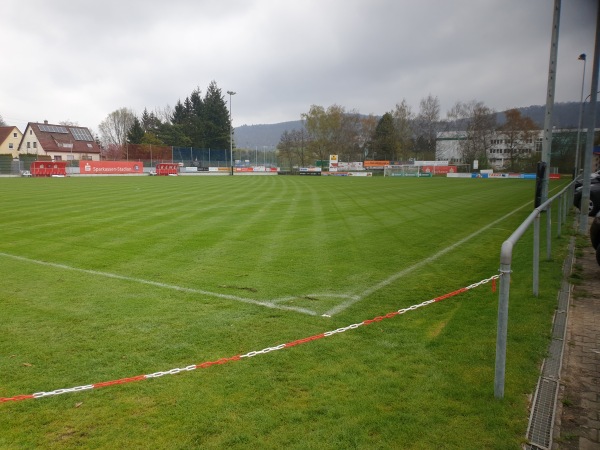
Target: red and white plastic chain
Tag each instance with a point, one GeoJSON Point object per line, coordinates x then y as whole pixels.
{"type": "Point", "coordinates": [249, 354]}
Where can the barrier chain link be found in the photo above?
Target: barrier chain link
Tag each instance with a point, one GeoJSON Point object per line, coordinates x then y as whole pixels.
{"type": "Point", "coordinates": [251, 354]}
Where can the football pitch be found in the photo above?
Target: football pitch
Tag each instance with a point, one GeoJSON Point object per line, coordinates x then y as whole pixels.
{"type": "Point", "coordinates": [112, 277]}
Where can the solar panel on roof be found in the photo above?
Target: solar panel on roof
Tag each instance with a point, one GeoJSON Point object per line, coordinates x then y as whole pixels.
{"type": "Point", "coordinates": [52, 129]}
{"type": "Point", "coordinates": [81, 134]}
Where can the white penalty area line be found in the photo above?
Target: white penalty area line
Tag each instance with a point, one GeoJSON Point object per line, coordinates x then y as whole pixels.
{"type": "Point", "coordinates": [348, 299]}
{"type": "Point", "coordinates": [357, 298]}
{"type": "Point", "coordinates": [161, 285]}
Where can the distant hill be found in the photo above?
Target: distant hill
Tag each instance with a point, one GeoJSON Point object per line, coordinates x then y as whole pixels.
{"type": "Point", "coordinates": [252, 136]}
{"type": "Point", "coordinates": [564, 115]}
{"type": "Point", "coordinates": [267, 136]}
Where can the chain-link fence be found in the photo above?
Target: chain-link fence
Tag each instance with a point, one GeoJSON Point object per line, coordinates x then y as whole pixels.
{"type": "Point", "coordinates": [10, 166]}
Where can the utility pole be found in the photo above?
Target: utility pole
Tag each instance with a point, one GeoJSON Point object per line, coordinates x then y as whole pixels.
{"type": "Point", "coordinates": [230, 133]}
{"type": "Point", "coordinates": [547, 140]}
{"type": "Point", "coordinates": [589, 145]}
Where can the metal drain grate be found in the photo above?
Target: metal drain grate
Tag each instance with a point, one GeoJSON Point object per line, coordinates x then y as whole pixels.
{"type": "Point", "coordinates": [543, 408]}
{"type": "Point", "coordinates": [539, 431]}
{"type": "Point", "coordinates": [560, 324]}
{"type": "Point", "coordinates": [553, 362]}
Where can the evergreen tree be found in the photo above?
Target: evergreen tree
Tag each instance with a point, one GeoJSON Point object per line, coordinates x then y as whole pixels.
{"type": "Point", "coordinates": [384, 141]}
{"type": "Point", "coordinates": [150, 123]}
{"type": "Point", "coordinates": [180, 114]}
{"type": "Point", "coordinates": [196, 104]}
{"type": "Point", "coordinates": [135, 133]}
{"type": "Point", "coordinates": [174, 134]}
{"type": "Point", "coordinates": [194, 125]}
{"type": "Point", "coordinates": [215, 118]}
{"type": "Point", "coordinates": [151, 139]}
{"type": "Point", "coordinates": [196, 122]}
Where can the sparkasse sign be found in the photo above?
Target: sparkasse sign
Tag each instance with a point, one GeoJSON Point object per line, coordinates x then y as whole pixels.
{"type": "Point", "coordinates": [110, 167]}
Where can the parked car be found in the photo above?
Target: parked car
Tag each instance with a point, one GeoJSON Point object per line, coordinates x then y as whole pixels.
{"type": "Point", "coordinates": [594, 178]}
{"type": "Point", "coordinates": [595, 236]}
{"type": "Point", "coordinates": [594, 206]}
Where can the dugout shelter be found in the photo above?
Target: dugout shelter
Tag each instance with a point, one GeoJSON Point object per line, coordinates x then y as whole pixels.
{"type": "Point", "coordinates": [48, 169]}
{"type": "Point", "coordinates": [167, 169]}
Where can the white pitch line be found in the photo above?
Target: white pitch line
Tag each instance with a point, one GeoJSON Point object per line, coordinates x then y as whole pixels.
{"type": "Point", "coordinates": [275, 303]}
{"type": "Point", "coordinates": [342, 306]}
{"type": "Point", "coordinates": [309, 296]}
{"type": "Point", "coordinates": [161, 285]}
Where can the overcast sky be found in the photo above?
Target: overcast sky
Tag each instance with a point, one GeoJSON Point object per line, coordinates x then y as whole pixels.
{"type": "Point", "coordinates": [79, 60]}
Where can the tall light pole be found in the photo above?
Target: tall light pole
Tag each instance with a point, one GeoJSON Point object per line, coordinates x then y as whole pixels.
{"type": "Point", "coordinates": [577, 150]}
{"type": "Point", "coordinates": [230, 132]}
{"type": "Point", "coordinates": [547, 141]}
{"type": "Point", "coordinates": [590, 120]}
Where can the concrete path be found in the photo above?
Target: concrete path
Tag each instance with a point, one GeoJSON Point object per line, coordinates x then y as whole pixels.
{"type": "Point", "coordinates": [577, 417]}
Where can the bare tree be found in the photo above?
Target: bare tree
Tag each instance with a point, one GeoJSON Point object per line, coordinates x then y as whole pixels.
{"type": "Point", "coordinates": [113, 129]}
{"type": "Point", "coordinates": [368, 125]}
{"type": "Point", "coordinates": [2, 122]}
{"type": "Point", "coordinates": [292, 148]}
{"type": "Point", "coordinates": [519, 134]}
{"type": "Point", "coordinates": [165, 113]}
{"type": "Point", "coordinates": [427, 125]}
{"type": "Point", "coordinates": [349, 140]}
{"type": "Point", "coordinates": [404, 126]}
{"type": "Point", "coordinates": [476, 122]}
{"type": "Point", "coordinates": [68, 123]}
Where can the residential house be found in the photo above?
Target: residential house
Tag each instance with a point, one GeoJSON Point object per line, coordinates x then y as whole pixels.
{"type": "Point", "coordinates": [59, 142]}
{"type": "Point", "coordinates": [9, 141]}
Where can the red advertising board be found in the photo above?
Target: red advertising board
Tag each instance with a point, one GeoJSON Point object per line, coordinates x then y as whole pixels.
{"type": "Point", "coordinates": [379, 164]}
{"type": "Point", "coordinates": [110, 167]}
{"type": "Point", "coordinates": [439, 169]}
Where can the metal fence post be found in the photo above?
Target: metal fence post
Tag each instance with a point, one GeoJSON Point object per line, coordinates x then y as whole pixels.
{"type": "Point", "coordinates": [502, 332]}
{"type": "Point", "coordinates": [549, 232]}
{"type": "Point", "coordinates": [536, 254]}
{"type": "Point", "coordinates": [559, 216]}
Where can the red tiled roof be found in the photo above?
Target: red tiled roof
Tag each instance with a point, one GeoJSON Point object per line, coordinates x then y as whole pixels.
{"type": "Point", "coordinates": [5, 132]}
{"type": "Point", "coordinates": [75, 140]}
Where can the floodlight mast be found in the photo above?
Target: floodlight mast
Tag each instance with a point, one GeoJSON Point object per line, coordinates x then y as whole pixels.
{"type": "Point", "coordinates": [547, 140]}
{"type": "Point", "coordinates": [230, 133]}
{"type": "Point", "coordinates": [582, 57]}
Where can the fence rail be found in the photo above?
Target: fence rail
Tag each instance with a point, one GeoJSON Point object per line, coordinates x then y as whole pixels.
{"type": "Point", "coordinates": [561, 200]}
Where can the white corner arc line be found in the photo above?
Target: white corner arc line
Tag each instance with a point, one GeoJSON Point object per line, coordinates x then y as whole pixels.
{"type": "Point", "coordinates": [162, 285]}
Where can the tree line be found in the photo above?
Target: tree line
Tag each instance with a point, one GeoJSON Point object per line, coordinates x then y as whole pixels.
{"type": "Point", "coordinates": [403, 135]}
{"type": "Point", "coordinates": [199, 121]}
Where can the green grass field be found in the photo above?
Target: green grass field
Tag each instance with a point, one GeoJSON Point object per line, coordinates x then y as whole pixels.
{"type": "Point", "coordinates": [107, 278]}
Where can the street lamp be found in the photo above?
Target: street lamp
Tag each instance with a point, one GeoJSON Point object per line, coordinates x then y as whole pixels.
{"type": "Point", "coordinates": [230, 132]}
{"type": "Point", "coordinates": [576, 171]}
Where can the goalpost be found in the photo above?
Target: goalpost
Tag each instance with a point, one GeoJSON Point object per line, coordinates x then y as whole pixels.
{"type": "Point", "coordinates": [402, 171]}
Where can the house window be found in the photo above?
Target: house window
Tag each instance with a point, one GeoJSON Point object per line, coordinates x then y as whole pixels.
{"type": "Point", "coordinates": [30, 131]}
{"type": "Point", "coordinates": [70, 157]}
{"type": "Point", "coordinates": [15, 135]}
{"type": "Point", "coordinates": [35, 145]}
{"type": "Point", "coordinates": [58, 158]}
{"type": "Point", "coordinates": [29, 145]}
{"type": "Point", "coordinates": [10, 145]}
